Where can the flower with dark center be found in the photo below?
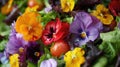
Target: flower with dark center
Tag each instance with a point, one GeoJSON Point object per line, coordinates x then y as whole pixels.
{"type": "Point", "coordinates": [34, 52]}
{"type": "Point", "coordinates": [84, 28]}
{"type": "Point", "coordinates": [55, 30]}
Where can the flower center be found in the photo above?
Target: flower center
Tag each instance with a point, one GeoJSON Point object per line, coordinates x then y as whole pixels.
{"type": "Point", "coordinates": [37, 54]}
{"type": "Point", "coordinates": [21, 49]}
{"type": "Point", "coordinates": [73, 56]}
{"type": "Point", "coordinates": [83, 35]}
{"type": "Point", "coordinates": [29, 28]}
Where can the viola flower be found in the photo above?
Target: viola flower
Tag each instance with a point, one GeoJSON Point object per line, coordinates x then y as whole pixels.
{"type": "Point", "coordinates": [84, 28]}
{"type": "Point", "coordinates": [14, 61]}
{"type": "Point", "coordinates": [74, 58]}
{"type": "Point", "coordinates": [29, 26]}
{"type": "Point", "coordinates": [54, 30]}
{"type": "Point", "coordinates": [67, 5]}
{"type": "Point", "coordinates": [102, 13]}
{"type": "Point", "coordinates": [16, 43]}
{"type": "Point", "coordinates": [7, 8]}
{"type": "Point", "coordinates": [114, 7]}
{"type": "Point", "coordinates": [49, 63]}
{"type": "Point", "coordinates": [34, 52]}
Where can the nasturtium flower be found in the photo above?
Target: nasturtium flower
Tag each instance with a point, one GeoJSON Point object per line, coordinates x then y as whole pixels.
{"type": "Point", "coordinates": [67, 5]}
{"type": "Point", "coordinates": [14, 60]}
{"type": "Point", "coordinates": [103, 14]}
{"type": "Point", "coordinates": [29, 26]}
{"type": "Point", "coordinates": [7, 7]}
{"type": "Point", "coordinates": [114, 7]}
{"type": "Point", "coordinates": [84, 28]}
{"type": "Point", "coordinates": [54, 30]}
{"type": "Point", "coordinates": [49, 63]}
{"type": "Point", "coordinates": [74, 58]}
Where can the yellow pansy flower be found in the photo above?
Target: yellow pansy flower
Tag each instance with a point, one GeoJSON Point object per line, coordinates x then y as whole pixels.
{"type": "Point", "coordinates": [102, 13]}
{"type": "Point", "coordinates": [74, 58]}
{"type": "Point", "coordinates": [67, 5]}
{"type": "Point", "coordinates": [14, 61]}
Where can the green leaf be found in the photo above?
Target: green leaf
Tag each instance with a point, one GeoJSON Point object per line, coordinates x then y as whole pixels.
{"type": "Point", "coordinates": [30, 64]}
{"type": "Point", "coordinates": [41, 59]}
{"type": "Point", "coordinates": [5, 65]}
{"type": "Point", "coordinates": [110, 44]}
{"type": "Point", "coordinates": [2, 44]}
{"type": "Point", "coordinates": [117, 19]}
{"type": "Point", "coordinates": [102, 62]}
{"type": "Point", "coordinates": [47, 17]}
{"type": "Point", "coordinates": [4, 29]}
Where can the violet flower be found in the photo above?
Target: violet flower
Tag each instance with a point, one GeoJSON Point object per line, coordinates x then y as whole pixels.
{"type": "Point", "coordinates": [49, 63]}
{"type": "Point", "coordinates": [34, 52]}
{"type": "Point", "coordinates": [84, 28]}
{"type": "Point", "coordinates": [16, 43]}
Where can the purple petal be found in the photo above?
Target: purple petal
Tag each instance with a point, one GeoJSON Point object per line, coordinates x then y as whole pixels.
{"type": "Point", "coordinates": [49, 63]}
{"type": "Point", "coordinates": [53, 62]}
{"type": "Point", "coordinates": [81, 21]}
{"type": "Point", "coordinates": [93, 33]}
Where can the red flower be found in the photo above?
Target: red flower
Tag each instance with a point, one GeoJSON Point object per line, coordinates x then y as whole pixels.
{"type": "Point", "coordinates": [114, 7]}
{"type": "Point", "coordinates": [54, 30]}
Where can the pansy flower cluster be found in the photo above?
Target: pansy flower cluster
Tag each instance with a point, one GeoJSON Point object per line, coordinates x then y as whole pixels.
{"type": "Point", "coordinates": [60, 33]}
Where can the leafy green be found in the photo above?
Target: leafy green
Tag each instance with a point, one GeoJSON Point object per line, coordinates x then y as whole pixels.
{"type": "Point", "coordinates": [47, 55]}
{"type": "Point", "coordinates": [110, 44]}
{"type": "Point", "coordinates": [47, 17]}
{"type": "Point", "coordinates": [5, 65]}
{"type": "Point", "coordinates": [4, 29]}
{"type": "Point", "coordinates": [30, 64]}
{"type": "Point", "coordinates": [102, 61]}
{"type": "Point", "coordinates": [2, 45]}
{"type": "Point", "coordinates": [117, 19]}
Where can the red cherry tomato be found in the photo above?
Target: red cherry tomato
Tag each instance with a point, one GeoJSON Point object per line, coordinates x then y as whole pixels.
{"type": "Point", "coordinates": [60, 47]}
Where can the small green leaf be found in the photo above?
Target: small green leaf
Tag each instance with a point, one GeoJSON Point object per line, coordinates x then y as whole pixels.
{"type": "Point", "coordinates": [41, 59]}
{"type": "Point", "coordinates": [30, 64]}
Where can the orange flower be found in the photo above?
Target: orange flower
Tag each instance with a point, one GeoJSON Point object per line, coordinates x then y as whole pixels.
{"type": "Point", "coordinates": [29, 26]}
{"type": "Point", "coordinates": [7, 7]}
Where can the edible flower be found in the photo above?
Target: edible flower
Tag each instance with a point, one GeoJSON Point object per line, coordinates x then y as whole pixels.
{"type": "Point", "coordinates": [67, 5]}
{"type": "Point", "coordinates": [54, 30]}
{"type": "Point", "coordinates": [103, 14]}
{"type": "Point", "coordinates": [29, 26]}
{"type": "Point", "coordinates": [84, 28]}
{"type": "Point", "coordinates": [74, 58]}
{"type": "Point", "coordinates": [14, 60]}
{"type": "Point", "coordinates": [49, 63]}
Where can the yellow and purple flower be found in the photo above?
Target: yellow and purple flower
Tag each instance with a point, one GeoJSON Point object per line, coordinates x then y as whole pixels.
{"type": "Point", "coordinates": [84, 28]}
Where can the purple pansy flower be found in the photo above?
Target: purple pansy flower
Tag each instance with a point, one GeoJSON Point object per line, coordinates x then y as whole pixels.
{"type": "Point", "coordinates": [84, 28]}
{"type": "Point", "coordinates": [49, 63]}
{"type": "Point", "coordinates": [34, 52]}
{"type": "Point", "coordinates": [16, 43]}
